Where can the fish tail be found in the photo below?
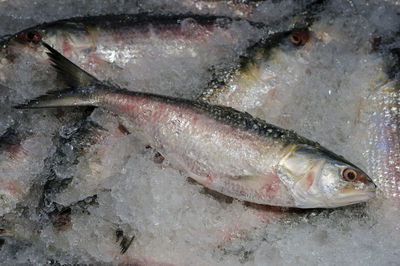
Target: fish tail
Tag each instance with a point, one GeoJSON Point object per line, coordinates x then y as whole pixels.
{"type": "Point", "coordinates": [66, 98]}
{"type": "Point", "coordinates": [83, 88]}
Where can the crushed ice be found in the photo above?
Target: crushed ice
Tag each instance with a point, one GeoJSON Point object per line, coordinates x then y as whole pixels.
{"type": "Point", "coordinates": [121, 190]}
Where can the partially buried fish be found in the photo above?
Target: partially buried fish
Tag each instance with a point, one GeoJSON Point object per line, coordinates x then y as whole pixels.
{"type": "Point", "coordinates": [221, 148]}
{"type": "Point", "coordinates": [114, 46]}
{"type": "Point", "coordinates": [383, 138]}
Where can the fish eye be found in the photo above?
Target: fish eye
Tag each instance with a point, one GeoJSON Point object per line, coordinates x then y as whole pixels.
{"type": "Point", "coordinates": [30, 36]}
{"type": "Point", "coordinates": [299, 37]}
{"type": "Point", "coordinates": [350, 175]}
{"type": "Point", "coordinates": [294, 39]}
{"type": "Point", "coordinates": [33, 36]}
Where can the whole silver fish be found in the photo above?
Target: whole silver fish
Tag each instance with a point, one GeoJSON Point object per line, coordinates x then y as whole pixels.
{"type": "Point", "coordinates": [223, 149]}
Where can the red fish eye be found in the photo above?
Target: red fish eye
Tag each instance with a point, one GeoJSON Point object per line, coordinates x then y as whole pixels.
{"type": "Point", "coordinates": [33, 36]}
{"type": "Point", "coordinates": [300, 37]}
{"type": "Point", "coordinates": [350, 175]}
{"type": "Point", "coordinates": [30, 36]}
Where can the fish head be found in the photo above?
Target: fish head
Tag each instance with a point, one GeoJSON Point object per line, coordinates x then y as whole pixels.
{"type": "Point", "coordinates": [28, 41]}
{"type": "Point", "coordinates": [319, 178]}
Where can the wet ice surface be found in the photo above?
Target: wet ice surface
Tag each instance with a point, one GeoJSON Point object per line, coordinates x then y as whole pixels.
{"type": "Point", "coordinates": [320, 89]}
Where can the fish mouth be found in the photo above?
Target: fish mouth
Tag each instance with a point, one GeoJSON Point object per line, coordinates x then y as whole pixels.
{"type": "Point", "coordinates": [355, 196]}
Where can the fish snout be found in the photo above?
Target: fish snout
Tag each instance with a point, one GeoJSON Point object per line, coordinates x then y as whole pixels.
{"type": "Point", "coordinates": [371, 186]}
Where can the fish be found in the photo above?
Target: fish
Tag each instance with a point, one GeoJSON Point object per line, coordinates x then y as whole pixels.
{"type": "Point", "coordinates": [221, 148]}
{"type": "Point", "coordinates": [113, 46]}
{"type": "Point", "coordinates": [253, 83]}
{"type": "Point", "coordinates": [383, 153]}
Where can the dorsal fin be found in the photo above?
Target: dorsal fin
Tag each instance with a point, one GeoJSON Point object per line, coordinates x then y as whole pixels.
{"type": "Point", "coordinates": [73, 75]}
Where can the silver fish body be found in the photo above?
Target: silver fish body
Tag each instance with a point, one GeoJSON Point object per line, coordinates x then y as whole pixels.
{"type": "Point", "coordinates": [224, 149]}
{"type": "Point", "coordinates": [383, 154]}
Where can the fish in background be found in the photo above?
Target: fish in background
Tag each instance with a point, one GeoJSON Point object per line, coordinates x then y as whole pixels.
{"type": "Point", "coordinates": [252, 84]}
{"type": "Point", "coordinates": [384, 138]}
{"type": "Point", "coordinates": [380, 112]}
{"type": "Point", "coordinates": [260, 83]}
{"type": "Point", "coordinates": [247, 158]}
{"type": "Point", "coordinates": [125, 48]}
{"type": "Point", "coordinates": [379, 117]}
{"type": "Point", "coordinates": [145, 46]}
{"type": "Point", "coordinates": [109, 45]}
